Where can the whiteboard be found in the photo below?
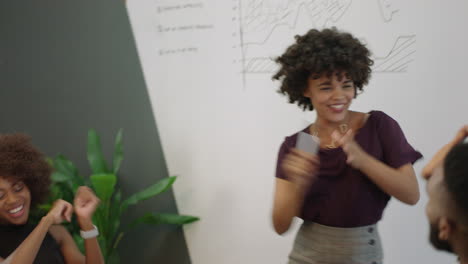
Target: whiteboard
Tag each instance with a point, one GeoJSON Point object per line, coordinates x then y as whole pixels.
{"type": "Point", "coordinates": [208, 66]}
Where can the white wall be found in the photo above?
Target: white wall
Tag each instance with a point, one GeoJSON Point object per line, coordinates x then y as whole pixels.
{"type": "Point", "coordinates": [208, 70]}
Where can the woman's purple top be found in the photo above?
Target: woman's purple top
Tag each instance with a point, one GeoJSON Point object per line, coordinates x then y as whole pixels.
{"type": "Point", "coordinates": [342, 196]}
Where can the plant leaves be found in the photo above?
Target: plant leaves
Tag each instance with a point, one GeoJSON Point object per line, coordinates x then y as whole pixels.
{"type": "Point", "coordinates": [113, 258]}
{"type": "Point", "coordinates": [104, 185]}
{"type": "Point", "coordinates": [114, 220]}
{"type": "Point", "coordinates": [95, 156]}
{"type": "Point", "coordinates": [115, 206]}
{"type": "Point", "coordinates": [45, 207]}
{"type": "Point", "coordinates": [60, 177]}
{"type": "Point", "coordinates": [65, 171]}
{"type": "Point", "coordinates": [149, 192]}
{"type": "Point", "coordinates": [156, 219]}
{"type": "Point", "coordinates": [118, 152]}
{"type": "Point", "coordinates": [65, 166]}
{"type": "Point", "coordinates": [50, 161]}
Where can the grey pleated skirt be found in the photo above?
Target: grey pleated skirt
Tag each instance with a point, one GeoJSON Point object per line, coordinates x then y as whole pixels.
{"type": "Point", "coordinates": [319, 244]}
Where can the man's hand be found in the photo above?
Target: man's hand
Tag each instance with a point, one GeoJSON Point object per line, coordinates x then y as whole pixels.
{"type": "Point", "coordinates": [439, 157]}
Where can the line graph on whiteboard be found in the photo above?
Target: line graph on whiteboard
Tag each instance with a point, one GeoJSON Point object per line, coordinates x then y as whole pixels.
{"type": "Point", "coordinates": [264, 23]}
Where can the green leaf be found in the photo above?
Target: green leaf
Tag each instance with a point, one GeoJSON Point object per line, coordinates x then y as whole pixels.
{"type": "Point", "coordinates": [156, 219]}
{"type": "Point", "coordinates": [60, 177]}
{"type": "Point", "coordinates": [50, 161]}
{"type": "Point", "coordinates": [95, 156]}
{"type": "Point", "coordinates": [115, 206]}
{"type": "Point", "coordinates": [45, 207]}
{"type": "Point", "coordinates": [113, 258]}
{"type": "Point", "coordinates": [65, 166]}
{"type": "Point", "coordinates": [56, 192]}
{"type": "Point", "coordinates": [104, 185]}
{"type": "Point", "coordinates": [114, 219]}
{"type": "Point", "coordinates": [118, 152]}
{"type": "Point", "coordinates": [67, 173]}
{"type": "Point", "coordinates": [149, 192]}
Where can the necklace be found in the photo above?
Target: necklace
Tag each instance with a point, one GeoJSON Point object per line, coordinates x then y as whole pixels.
{"type": "Point", "coordinates": [342, 128]}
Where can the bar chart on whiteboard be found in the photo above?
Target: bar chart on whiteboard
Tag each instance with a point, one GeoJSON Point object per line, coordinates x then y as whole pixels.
{"type": "Point", "coordinates": [264, 24]}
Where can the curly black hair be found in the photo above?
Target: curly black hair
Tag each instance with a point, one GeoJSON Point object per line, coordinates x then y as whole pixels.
{"type": "Point", "coordinates": [321, 52]}
{"type": "Point", "coordinates": [456, 177]}
{"type": "Point", "coordinates": [21, 161]}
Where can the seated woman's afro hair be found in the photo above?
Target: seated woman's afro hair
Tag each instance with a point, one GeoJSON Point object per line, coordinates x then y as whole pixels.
{"type": "Point", "coordinates": [21, 161]}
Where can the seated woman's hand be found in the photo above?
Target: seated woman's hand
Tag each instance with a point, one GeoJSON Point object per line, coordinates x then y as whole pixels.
{"type": "Point", "coordinates": [85, 204]}
{"type": "Point", "coordinates": [61, 211]}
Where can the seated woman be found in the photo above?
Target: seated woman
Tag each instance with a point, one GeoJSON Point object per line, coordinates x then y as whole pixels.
{"type": "Point", "coordinates": [24, 183]}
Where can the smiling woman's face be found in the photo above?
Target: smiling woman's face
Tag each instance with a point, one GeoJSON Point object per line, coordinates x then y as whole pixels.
{"type": "Point", "coordinates": [331, 96]}
{"type": "Point", "coordinates": [15, 200]}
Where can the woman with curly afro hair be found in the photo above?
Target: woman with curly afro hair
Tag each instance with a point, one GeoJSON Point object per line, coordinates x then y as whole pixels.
{"type": "Point", "coordinates": [24, 183]}
{"type": "Point", "coordinates": [338, 173]}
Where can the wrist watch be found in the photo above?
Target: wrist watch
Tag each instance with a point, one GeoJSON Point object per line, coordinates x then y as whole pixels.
{"type": "Point", "coordinates": [90, 233]}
